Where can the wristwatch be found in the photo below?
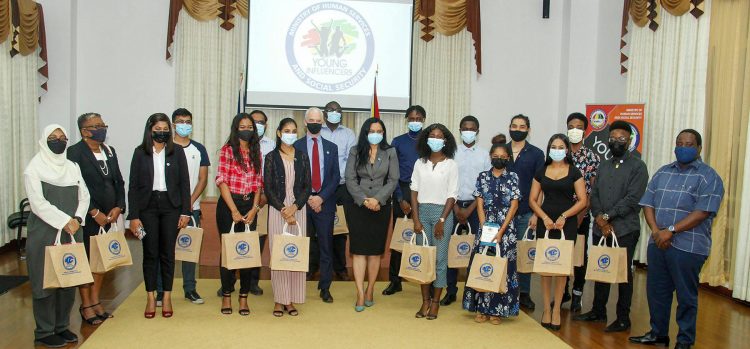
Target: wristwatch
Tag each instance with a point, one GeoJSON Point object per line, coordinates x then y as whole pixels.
{"type": "Point", "coordinates": [605, 217]}
{"type": "Point", "coordinates": [79, 219]}
{"type": "Point", "coordinates": [671, 229]}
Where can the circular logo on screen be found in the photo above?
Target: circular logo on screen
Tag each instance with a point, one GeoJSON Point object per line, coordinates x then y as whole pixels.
{"type": "Point", "coordinates": [184, 240]}
{"type": "Point", "coordinates": [242, 248]}
{"type": "Point", "coordinates": [552, 253]}
{"type": "Point", "coordinates": [532, 253]}
{"type": "Point", "coordinates": [415, 260]}
{"type": "Point", "coordinates": [69, 261]}
{"type": "Point", "coordinates": [603, 261]}
{"type": "Point", "coordinates": [291, 250]}
{"type": "Point", "coordinates": [330, 46]}
{"type": "Point", "coordinates": [635, 138]}
{"type": "Point", "coordinates": [114, 247]}
{"type": "Point", "coordinates": [486, 270]}
{"type": "Point", "coordinates": [463, 248]}
{"type": "Point", "coordinates": [598, 120]}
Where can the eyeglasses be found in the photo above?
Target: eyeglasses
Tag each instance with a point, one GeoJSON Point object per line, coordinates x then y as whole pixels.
{"type": "Point", "coordinates": [619, 139]}
{"type": "Point", "coordinates": [96, 127]}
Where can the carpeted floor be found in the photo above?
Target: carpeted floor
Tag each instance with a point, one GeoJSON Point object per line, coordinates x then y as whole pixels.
{"type": "Point", "coordinates": [7, 282]}
{"type": "Point", "coordinates": [388, 324]}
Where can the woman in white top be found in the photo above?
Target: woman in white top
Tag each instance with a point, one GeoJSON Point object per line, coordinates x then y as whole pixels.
{"type": "Point", "coordinates": [434, 186]}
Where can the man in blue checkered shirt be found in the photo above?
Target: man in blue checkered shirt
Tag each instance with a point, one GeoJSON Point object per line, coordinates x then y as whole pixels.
{"type": "Point", "coordinates": [679, 205]}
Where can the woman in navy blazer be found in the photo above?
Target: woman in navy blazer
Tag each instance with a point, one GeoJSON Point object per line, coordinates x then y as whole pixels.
{"type": "Point", "coordinates": [159, 202]}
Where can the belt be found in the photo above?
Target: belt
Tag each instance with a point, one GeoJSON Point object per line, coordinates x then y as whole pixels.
{"type": "Point", "coordinates": [243, 197]}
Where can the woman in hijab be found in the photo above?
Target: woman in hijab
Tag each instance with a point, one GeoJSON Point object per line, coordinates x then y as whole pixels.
{"type": "Point", "coordinates": [59, 201]}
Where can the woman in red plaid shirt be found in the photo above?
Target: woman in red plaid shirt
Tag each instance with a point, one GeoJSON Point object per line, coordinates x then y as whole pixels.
{"type": "Point", "coordinates": [240, 181]}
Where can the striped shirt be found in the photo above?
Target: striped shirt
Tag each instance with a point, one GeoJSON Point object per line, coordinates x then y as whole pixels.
{"type": "Point", "coordinates": [675, 192]}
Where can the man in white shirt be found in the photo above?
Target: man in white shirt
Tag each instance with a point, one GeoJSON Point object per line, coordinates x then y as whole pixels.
{"type": "Point", "coordinates": [472, 160]}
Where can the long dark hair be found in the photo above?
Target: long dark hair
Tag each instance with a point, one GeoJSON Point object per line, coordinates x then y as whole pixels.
{"type": "Point", "coordinates": [234, 142]}
{"type": "Point", "coordinates": [283, 123]}
{"type": "Point", "coordinates": [148, 140]}
{"type": "Point", "coordinates": [363, 145]}
{"type": "Point", "coordinates": [568, 158]}
{"type": "Point", "coordinates": [424, 151]}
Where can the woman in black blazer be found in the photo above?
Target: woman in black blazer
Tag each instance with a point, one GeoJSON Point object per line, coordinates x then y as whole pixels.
{"type": "Point", "coordinates": [159, 201]}
{"type": "Point", "coordinates": [101, 172]}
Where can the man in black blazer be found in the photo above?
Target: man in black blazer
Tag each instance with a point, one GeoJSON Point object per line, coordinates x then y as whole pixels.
{"type": "Point", "coordinates": [325, 175]}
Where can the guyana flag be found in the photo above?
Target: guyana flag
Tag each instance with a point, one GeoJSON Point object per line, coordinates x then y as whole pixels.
{"type": "Point", "coordinates": [374, 109]}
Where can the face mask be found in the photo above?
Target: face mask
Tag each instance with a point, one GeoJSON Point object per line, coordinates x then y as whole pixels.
{"type": "Point", "coordinates": [415, 126]}
{"type": "Point", "coordinates": [99, 135]}
{"type": "Point", "coordinates": [375, 138]}
{"type": "Point", "coordinates": [57, 146]}
{"type": "Point", "coordinates": [557, 154]}
{"type": "Point", "coordinates": [289, 138]}
{"type": "Point", "coordinates": [246, 135]}
{"type": "Point", "coordinates": [685, 155]}
{"type": "Point", "coordinates": [468, 136]}
{"type": "Point", "coordinates": [436, 144]}
{"type": "Point", "coordinates": [184, 130]}
{"type": "Point", "coordinates": [575, 135]}
{"type": "Point", "coordinates": [314, 128]}
{"type": "Point", "coordinates": [618, 149]}
{"type": "Point", "coordinates": [261, 129]}
{"type": "Point", "coordinates": [334, 117]}
{"type": "Point", "coordinates": [518, 135]}
{"type": "Point", "coordinates": [160, 136]}
{"type": "Point", "coordinates": [499, 163]}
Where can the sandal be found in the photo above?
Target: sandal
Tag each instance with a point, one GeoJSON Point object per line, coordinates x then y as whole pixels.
{"type": "Point", "coordinates": [244, 311]}
{"type": "Point", "coordinates": [278, 313]}
{"type": "Point", "coordinates": [421, 313]}
{"type": "Point", "coordinates": [292, 311]}
{"type": "Point", "coordinates": [433, 315]}
{"type": "Point", "coordinates": [105, 315]}
{"type": "Point", "coordinates": [94, 320]}
{"type": "Point", "coordinates": [480, 318]}
{"type": "Point", "coordinates": [227, 311]}
{"type": "Point", "coordinates": [495, 320]}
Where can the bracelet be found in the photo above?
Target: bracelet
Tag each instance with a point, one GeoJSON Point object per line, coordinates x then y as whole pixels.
{"type": "Point", "coordinates": [563, 216]}
{"type": "Point", "coordinates": [96, 214]}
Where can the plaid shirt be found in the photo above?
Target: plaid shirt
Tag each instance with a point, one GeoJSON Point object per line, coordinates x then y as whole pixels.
{"type": "Point", "coordinates": [675, 192]}
{"type": "Point", "coordinates": [230, 173]}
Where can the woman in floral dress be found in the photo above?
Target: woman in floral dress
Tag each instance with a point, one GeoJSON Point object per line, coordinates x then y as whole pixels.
{"type": "Point", "coordinates": [497, 196]}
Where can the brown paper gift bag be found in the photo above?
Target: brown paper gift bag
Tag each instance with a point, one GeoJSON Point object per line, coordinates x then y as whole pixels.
{"type": "Point", "coordinates": [66, 265]}
{"type": "Point", "coordinates": [488, 273]}
{"type": "Point", "coordinates": [261, 223]}
{"type": "Point", "coordinates": [240, 250]}
{"type": "Point", "coordinates": [579, 250]}
{"type": "Point", "coordinates": [526, 253]}
{"type": "Point", "coordinates": [554, 257]}
{"type": "Point", "coordinates": [290, 252]}
{"type": "Point", "coordinates": [606, 264]}
{"type": "Point", "coordinates": [109, 250]}
{"type": "Point", "coordinates": [402, 233]}
{"type": "Point", "coordinates": [418, 262]}
{"type": "Point", "coordinates": [188, 245]}
{"type": "Point", "coordinates": [459, 248]}
{"type": "Point", "coordinates": [339, 222]}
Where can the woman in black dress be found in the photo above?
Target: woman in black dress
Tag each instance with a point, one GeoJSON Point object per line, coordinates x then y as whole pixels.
{"type": "Point", "coordinates": [561, 183]}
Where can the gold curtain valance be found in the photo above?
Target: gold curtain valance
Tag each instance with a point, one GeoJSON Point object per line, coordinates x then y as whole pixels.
{"type": "Point", "coordinates": [449, 17]}
{"type": "Point", "coordinates": [643, 12]}
{"type": "Point", "coordinates": [205, 10]}
{"type": "Point", "coordinates": [22, 22]}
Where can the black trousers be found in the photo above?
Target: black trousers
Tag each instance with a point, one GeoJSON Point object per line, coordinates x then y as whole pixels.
{"type": "Point", "coordinates": [625, 294]}
{"type": "Point", "coordinates": [248, 276]}
{"type": "Point", "coordinates": [579, 273]}
{"type": "Point", "coordinates": [159, 220]}
{"type": "Point", "coordinates": [395, 263]}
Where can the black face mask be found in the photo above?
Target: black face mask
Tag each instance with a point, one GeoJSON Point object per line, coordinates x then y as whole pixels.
{"type": "Point", "coordinates": [499, 163]}
{"type": "Point", "coordinates": [314, 128]}
{"type": "Point", "coordinates": [160, 136]}
{"type": "Point", "coordinates": [57, 146]}
{"type": "Point", "coordinates": [246, 135]}
{"type": "Point", "coordinates": [618, 149]}
{"type": "Point", "coordinates": [518, 135]}
{"type": "Point", "coordinates": [99, 135]}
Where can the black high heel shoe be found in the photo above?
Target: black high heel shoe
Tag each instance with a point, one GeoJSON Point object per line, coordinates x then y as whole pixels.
{"type": "Point", "coordinates": [227, 311]}
{"type": "Point", "coordinates": [420, 314]}
{"type": "Point", "coordinates": [244, 311]}
{"type": "Point", "coordinates": [94, 320]}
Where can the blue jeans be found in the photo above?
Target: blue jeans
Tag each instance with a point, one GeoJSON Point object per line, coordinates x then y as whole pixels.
{"type": "Point", "coordinates": [522, 223]}
{"type": "Point", "coordinates": [473, 221]}
{"type": "Point", "coordinates": [671, 271]}
{"type": "Point", "coordinates": [188, 268]}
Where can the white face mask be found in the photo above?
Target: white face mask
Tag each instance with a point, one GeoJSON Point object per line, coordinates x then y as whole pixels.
{"type": "Point", "coordinates": [575, 135]}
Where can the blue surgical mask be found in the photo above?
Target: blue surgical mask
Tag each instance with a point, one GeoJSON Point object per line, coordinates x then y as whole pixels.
{"type": "Point", "coordinates": [557, 154]}
{"type": "Point", "coordinates": [289, 138]}
{"type": "Point", "coordinates": [435, 144]}
{"type": "Point", "coordinates": [685, 155]}
{"type": "Point", "coordinates": [334, 117]}
{"type": "Point", "coordinates": [261, 129]}
{"type": "Point", "coordinates": [184, 130]}
{"type": "Point", "coordinates": [468, 136]}
{"type": "Point", "coordinates": [375, 138]}
{"type": "Point", "coordinates": [415, 126]}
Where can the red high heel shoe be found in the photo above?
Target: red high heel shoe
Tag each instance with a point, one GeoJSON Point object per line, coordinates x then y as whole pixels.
{"type": "Point", "coordinates": [166, 313]}
{"type": "Point", "coordinates": [149, 314]}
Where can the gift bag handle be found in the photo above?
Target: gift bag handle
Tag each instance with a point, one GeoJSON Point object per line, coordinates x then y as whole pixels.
{"type": "Point", "coordinates": [111, 227]}
{"type": "Point", "coordinates": [285, 229]}
{"type": "Point", "coordinates": [562, 234]}
{"type": "Point", "coordinates": [603, 241]}
{"type": "Point", "coordinates": [231, 229]}
{"type": "Point", "coordinates": [498, 251]}
{"type": "Point", "coordinates": [192, 219]}
{"type": "Point", "coordinates": [525, 234]}
{"type": "Point", "coordinates": [413, 240]}
{"type": "Point", "coordinates": [57, 238]}
{"type": "Point", "coordinates": [455, 230]}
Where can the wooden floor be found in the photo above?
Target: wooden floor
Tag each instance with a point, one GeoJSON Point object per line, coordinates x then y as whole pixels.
{"type": "Point", "coordinates": [722, 322]}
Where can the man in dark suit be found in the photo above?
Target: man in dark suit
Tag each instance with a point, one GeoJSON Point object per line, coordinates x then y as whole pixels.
{"type": "Point", "coordinates": [325, 175]}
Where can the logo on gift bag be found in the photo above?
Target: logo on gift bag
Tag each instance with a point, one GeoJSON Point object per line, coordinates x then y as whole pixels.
{"type": "Point", "coordinates": [69, 261]}
{"type": "Point", "coordinates": [415, 260]}
{"type": "Point", "coordinates": [114, 247]}
{"type": "Point", "coordinates": [603, 261]}
{"type": "Point", "coordinates": [291, 250]}
{"type": "Point", "coordinates": [242, 248]}
{"type": "Point", "coordinates": [552, 253]}
{"type": "Point", "coordinates": [406, 234]}
{"type": "Point", "coordinates": [184, 240]}
{"type": "Point", "coordinates": [532, 253]}
{"type": "Point", "coordinates": [463, 248]}
{"type": "Point", "coordinates": [486, 270]}
{"type": "Point", "coordinates": [335, 219]}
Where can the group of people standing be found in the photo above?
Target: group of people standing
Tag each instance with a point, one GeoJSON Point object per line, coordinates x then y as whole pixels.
{"type": "Point", "coordinates": [442, 182]}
